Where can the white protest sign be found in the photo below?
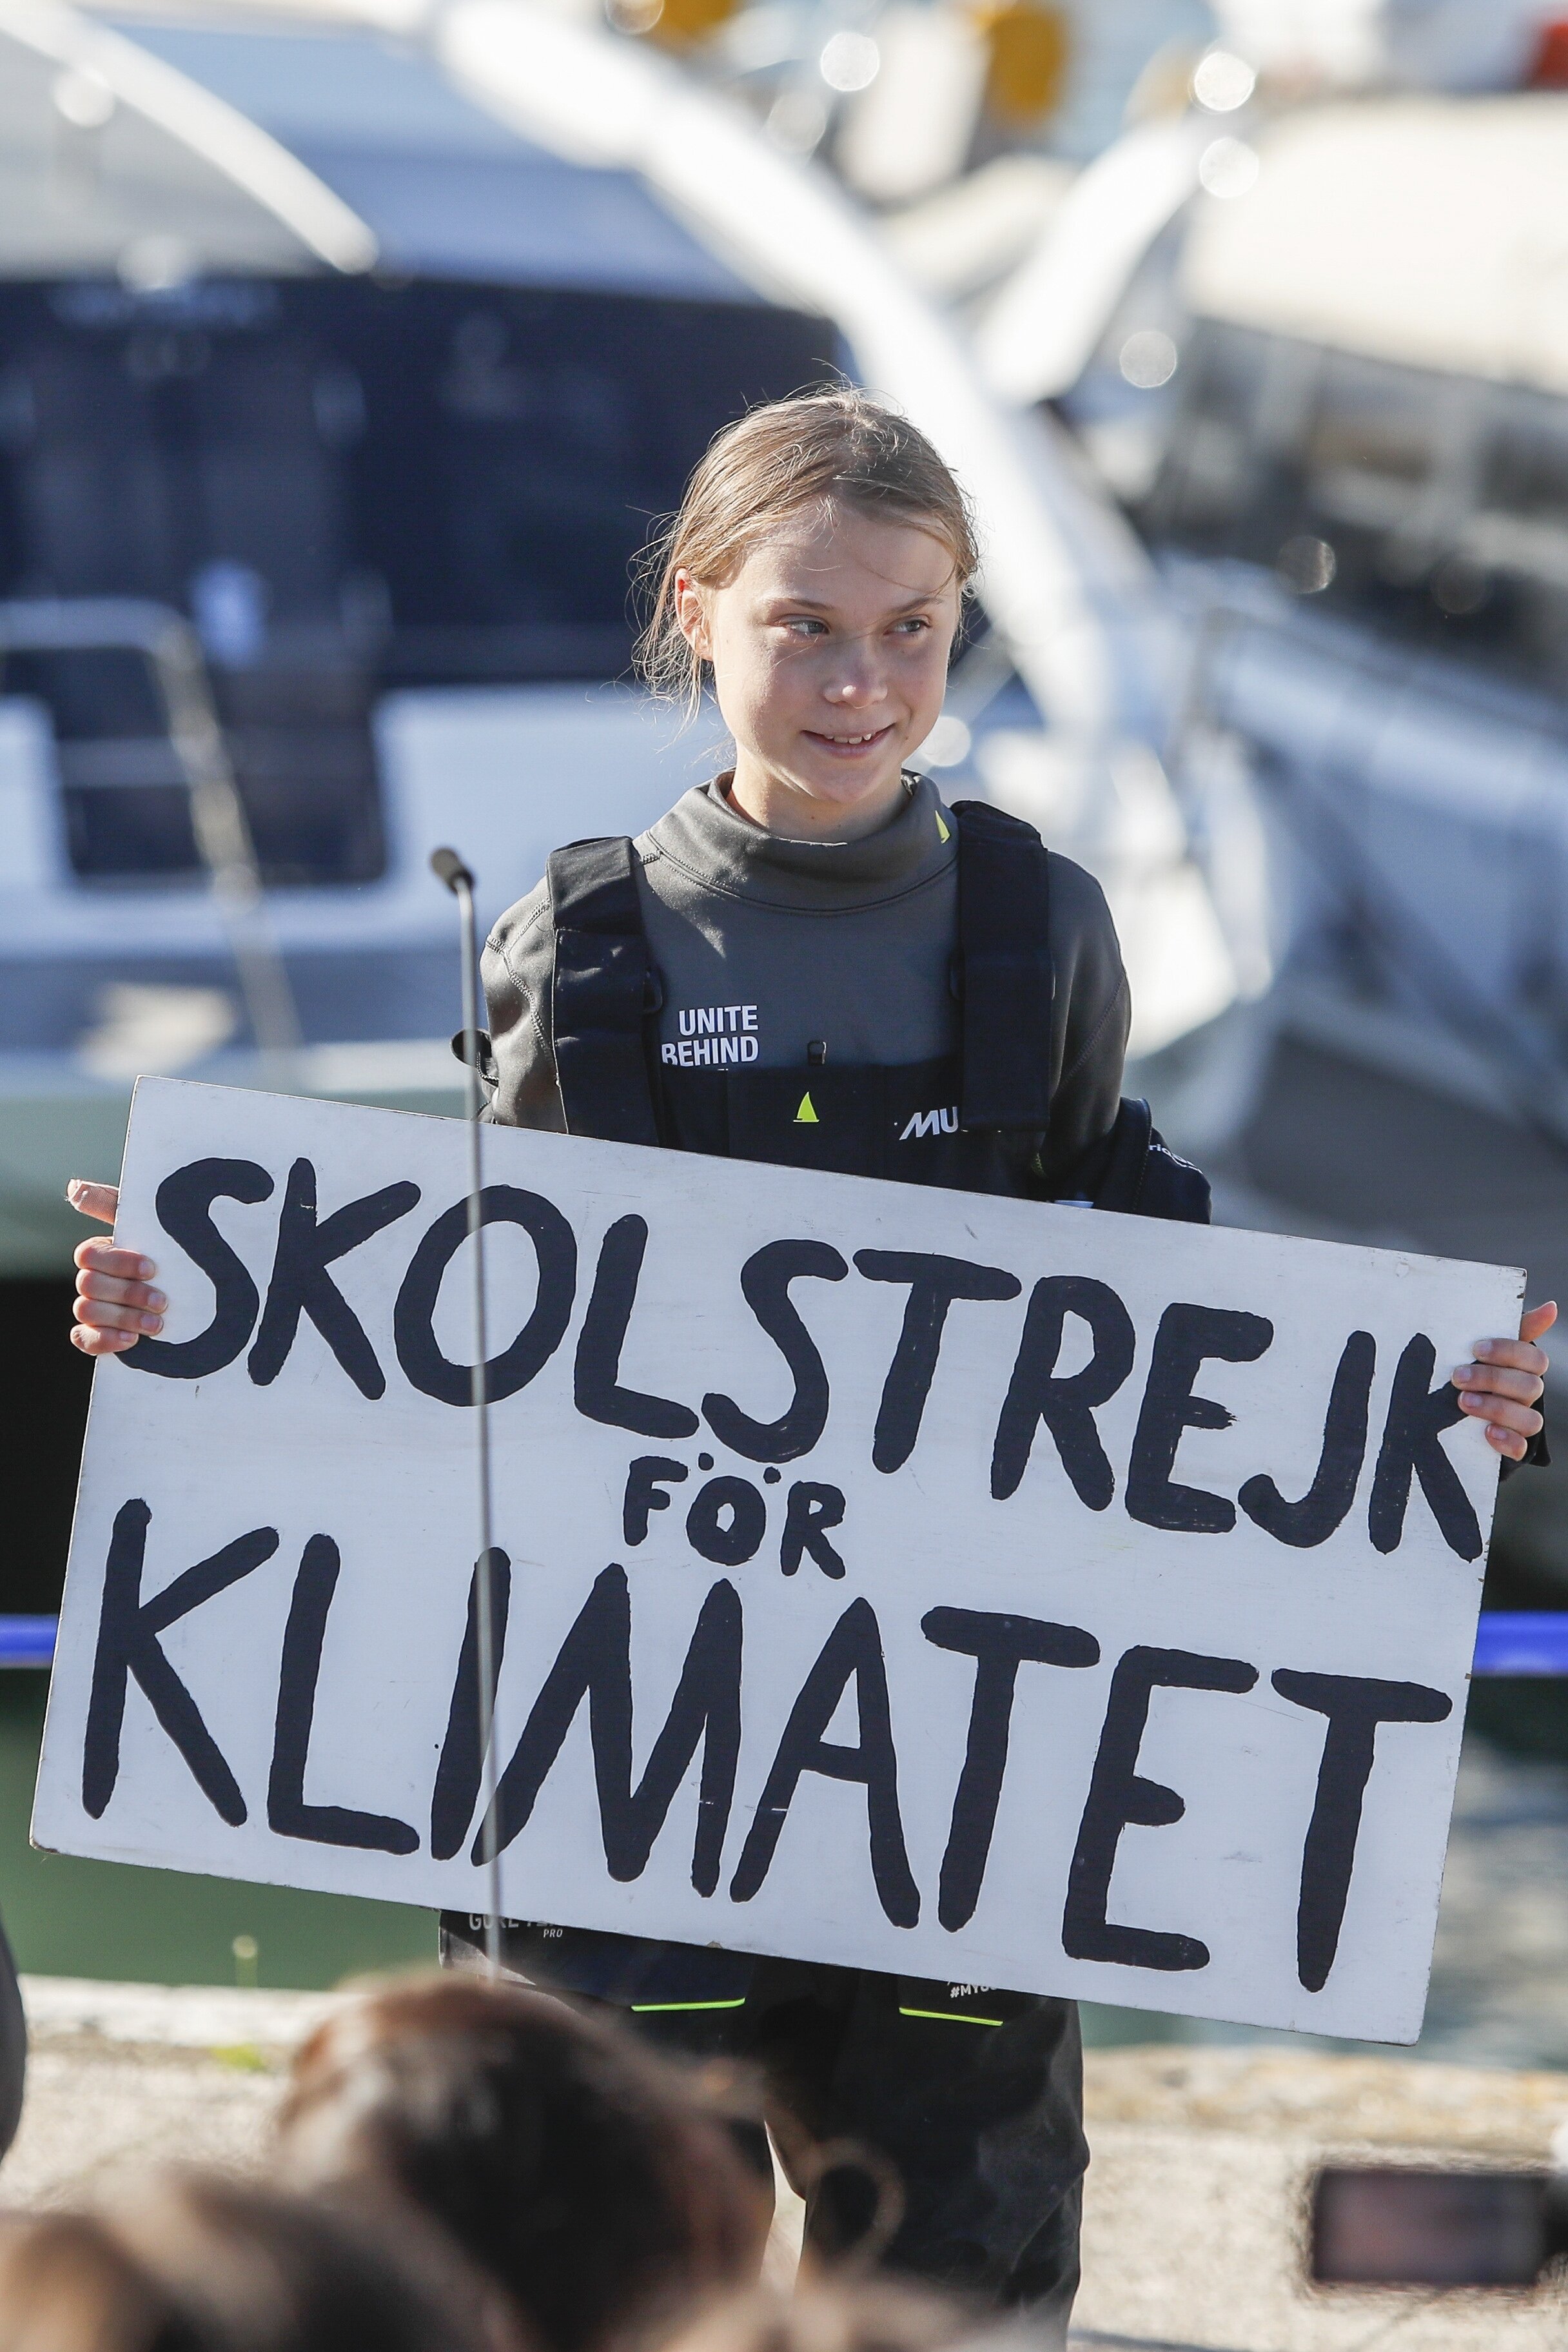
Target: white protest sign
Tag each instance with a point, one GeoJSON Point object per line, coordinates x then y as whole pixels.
{"type": "Point", "coordinates": [933, 1583]}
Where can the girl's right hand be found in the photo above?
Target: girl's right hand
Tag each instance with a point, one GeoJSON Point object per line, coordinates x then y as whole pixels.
{"type": "Point", "coordinates": [116, 1304]}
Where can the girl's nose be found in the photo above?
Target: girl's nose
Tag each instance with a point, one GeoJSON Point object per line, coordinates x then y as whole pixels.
{"type": "Point", "coordinates": [857, 684]}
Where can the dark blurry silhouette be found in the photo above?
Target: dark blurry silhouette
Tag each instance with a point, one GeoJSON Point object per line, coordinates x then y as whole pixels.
{"type": "Point", "coordinates": [212, 2265]}
{"type": "Point", "coordinates": [12, 2047]}
{"type": "Point", "coordinates": [593, 2182]}
{"type": "Point", "coordinates": [864, 2316]}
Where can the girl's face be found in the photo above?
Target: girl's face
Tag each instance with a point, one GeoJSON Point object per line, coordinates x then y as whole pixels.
{"type": "Point", "coordinates": [829, 651]}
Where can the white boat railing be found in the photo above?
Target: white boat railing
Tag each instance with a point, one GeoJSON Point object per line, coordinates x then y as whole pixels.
{"type": "Point", "coordinates": [173, 651]}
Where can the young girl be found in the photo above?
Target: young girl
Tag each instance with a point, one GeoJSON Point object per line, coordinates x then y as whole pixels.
{"type": "Point", "coordinates": [812, 960]}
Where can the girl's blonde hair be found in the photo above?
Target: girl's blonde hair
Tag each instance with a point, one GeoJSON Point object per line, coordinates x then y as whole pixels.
{"type": "Point", "coordinates": [816, 448]}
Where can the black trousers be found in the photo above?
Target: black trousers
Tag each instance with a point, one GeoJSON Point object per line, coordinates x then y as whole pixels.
{"type": "Point", "coordinates": [974, 2101]}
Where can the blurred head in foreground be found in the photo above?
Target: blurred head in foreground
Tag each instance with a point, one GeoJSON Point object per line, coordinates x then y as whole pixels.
{"type": "Point", "coordinates": [592, 2181]}
{"type": "Point", "coordinates": [212, 2265]}
{"type": "Point", "coordinates": [852, 2315]}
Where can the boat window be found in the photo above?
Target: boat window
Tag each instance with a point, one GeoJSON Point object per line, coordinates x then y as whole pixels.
{"type": "Point", "coordinates": [1431, 507]}
{"type": "Point", "coordinates": [1527, 461]}
{"type": "Point", "coordinates": [1517, 543]}
{"type": "Point", "coordinates": [347, 485]}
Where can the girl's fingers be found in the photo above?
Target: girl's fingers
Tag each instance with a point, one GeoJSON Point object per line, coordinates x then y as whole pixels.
{"type": "Point", "coordinates": [115, 1304]}
{"type": "Point", "coordinates": [105, 1289]}
{"type": "Point", "coordinates": [1538, 1320]}
{"type": "Point", "coordinates": [1498, 1414]}
{"type": "Point", "coordinates": [101, 1316]}
{"type": "Point", "coordinates": [102, 1257]}
{"type": "Point", "coordinates": [113, 1262]}
{"type": "Point", "coordinates": [1514, 1355]}
{"type": "Point", "coordinates": [1495, 1381]}
{"type": "Point", "coordinates": [1507, 1442]}
{"type": "Point", "coordinates": [93, 1342]}
{"type": "Point", "coordinates": [102, 1201]}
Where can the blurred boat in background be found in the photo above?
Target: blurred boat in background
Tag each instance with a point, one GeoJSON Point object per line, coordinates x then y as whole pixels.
{"type": "Point", "coordinates": [1361, 498]}
{"type": "Point", "coordinates": [380, 453]}
{"type": "Point", "coordinates": [342, 371]}
{"type": "Point", "coordinates": [1326, 373]}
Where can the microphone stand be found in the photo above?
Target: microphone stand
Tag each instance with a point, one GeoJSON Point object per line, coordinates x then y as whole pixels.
{"type": "Point", "coordinates": [449, 868]}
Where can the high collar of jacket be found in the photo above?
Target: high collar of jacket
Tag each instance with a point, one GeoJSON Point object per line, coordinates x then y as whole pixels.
{"type": "Point", "coordinates": [710, 840]}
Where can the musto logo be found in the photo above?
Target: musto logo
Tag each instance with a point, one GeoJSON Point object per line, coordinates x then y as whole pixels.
{"type": "Point", "coordinates": [922, 1122]}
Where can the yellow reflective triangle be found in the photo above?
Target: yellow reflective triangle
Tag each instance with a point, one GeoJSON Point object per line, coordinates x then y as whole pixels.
{"type": "Point", "coordinates": [807, 1115]}
{"type": "Point", "coordinates": [942, 827]}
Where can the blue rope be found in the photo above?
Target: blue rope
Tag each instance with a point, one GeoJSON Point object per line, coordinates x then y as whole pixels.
{"type": "Point", "coordinates": [1508, 1641]}
{"type": "Point", "coordinates": [26, 1640]}
{"type": "Point", "coordinates": [1522, 1642]}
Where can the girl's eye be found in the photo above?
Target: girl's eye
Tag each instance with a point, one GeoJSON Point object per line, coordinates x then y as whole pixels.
{"type": "Point", "coordinates": [806, 625]}
{"type": "Point", "coordinates": [914, 625]}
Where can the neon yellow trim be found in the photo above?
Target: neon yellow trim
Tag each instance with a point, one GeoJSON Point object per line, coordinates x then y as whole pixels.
{"type": "Point", "coordinates": [946, 836]}
{"type": "Point", "coordinates": [807, 1115]}
{"type": "Point", "coordinates": [651, 2008]}
{"type": "Point", "coordinates": [951, 2016]}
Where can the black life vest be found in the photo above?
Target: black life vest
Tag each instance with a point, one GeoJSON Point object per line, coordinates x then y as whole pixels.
{"type": "Point", "coordinates": [974, 1121]}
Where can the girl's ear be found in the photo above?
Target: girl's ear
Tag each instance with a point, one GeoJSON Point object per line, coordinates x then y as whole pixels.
{"type": "Point", "coordinates": [691, 615]}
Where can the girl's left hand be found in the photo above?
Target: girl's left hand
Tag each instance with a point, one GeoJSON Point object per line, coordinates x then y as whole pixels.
{"type": "Point", "coordinates": [1503, 1383]}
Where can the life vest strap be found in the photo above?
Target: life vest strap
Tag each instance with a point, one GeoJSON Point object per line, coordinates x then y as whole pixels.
{"type": "Point", "coordinates": [602, 990]}
{"type": "Point", "coordinates": [1005, 978]}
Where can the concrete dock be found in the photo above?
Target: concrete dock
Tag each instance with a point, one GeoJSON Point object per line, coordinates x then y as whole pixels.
{"type": "Point", "coordinates": [1195, 2202]}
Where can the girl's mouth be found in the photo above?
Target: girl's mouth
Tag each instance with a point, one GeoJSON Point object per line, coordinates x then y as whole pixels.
{"type": "Point", "coordinates": [851, 747]}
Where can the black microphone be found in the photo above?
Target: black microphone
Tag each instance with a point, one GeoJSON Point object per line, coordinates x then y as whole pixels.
{"type": "Point", "coordinates": [449, 868]}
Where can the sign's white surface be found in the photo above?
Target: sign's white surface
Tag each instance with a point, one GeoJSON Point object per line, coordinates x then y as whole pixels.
{"type": "Point", "coordinates": [945, 1585]}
